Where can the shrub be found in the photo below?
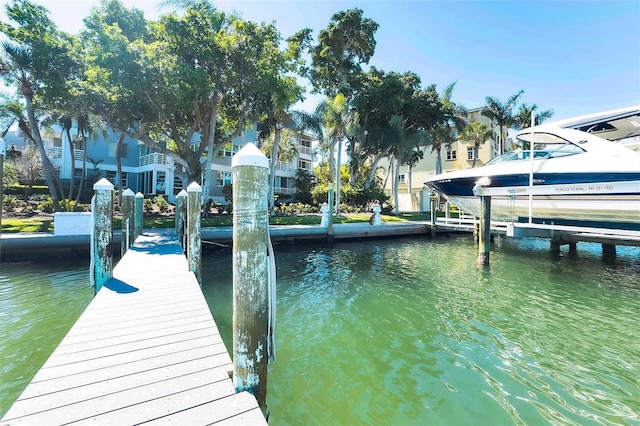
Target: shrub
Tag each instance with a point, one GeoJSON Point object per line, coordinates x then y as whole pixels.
{"type": "Point", "coordinates": [46, 206]}
{"type": "Point", "coordinates": [162, 204]}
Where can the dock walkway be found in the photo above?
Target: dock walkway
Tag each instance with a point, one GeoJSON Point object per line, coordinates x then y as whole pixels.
{"type": "Point", "coordinates": [146, 349]}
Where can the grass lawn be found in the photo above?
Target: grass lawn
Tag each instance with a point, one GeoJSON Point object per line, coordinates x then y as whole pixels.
{"type": "Point", "coordinates": [11, 225]}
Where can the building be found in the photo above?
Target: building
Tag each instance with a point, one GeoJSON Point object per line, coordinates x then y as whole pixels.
{"type": "Point", "coordinates": [152, 173]}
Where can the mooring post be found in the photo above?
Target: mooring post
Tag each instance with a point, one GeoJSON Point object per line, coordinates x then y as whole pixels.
{"type": "Point", "coordinates": [3, 152]}
{"type": "Point", "coordinates": [484, 236]}
{"type": "Point", "coordinates": [181, 215]}
{"type": "Point", "coordinates": [128, 221]}
{"type": "Point", "coordinates": [194, 244]}
{"type": "Point", "coordinates": [139, 215]}
{"type": "Point", "coordinates": [102, 234]}
{"type": "Point", "coordinates": [324, 209]}
{"type": "Point", "coordinates": [330, 219]}
{"type": "Point", "coordinates": [434, 212]}
{"type": "Point", "coordinates": [377, 209]}
{"type": "Point", "coordinates": [250, 174]}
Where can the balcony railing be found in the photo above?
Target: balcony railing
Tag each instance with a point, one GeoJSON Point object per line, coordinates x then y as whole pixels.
{"type": "Point", "coordinates": [284, 191]}
{"type": "Point", "coordinates": [305, 150]}
{"type": "Point", "coordinates": [53, 152]}
{"type": "Point", "coordinates": [153, 158]}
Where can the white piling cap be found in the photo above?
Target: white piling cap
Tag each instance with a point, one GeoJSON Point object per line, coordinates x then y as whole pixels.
{"type": "Point", "coordinates": [250, 155]}
{"type": "Point", "coordinates": [194, 187]}
{"type": "Point", "coordinates": [182, 193]}
{"type": "Point", "coordinates": [103, 184]}
{"type": "Point", "coordinates": [139, 195]}
{"type": "Point", "coordinates": [128, 193]}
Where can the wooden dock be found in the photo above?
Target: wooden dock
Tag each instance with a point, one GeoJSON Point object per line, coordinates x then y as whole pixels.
{"type": "Point", "coordinates": [147, 349]}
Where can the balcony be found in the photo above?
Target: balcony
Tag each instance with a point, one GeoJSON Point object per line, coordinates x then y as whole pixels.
{"type": "Point", "coordinates": [153, 158]}
{"type": "Point", "coordinates": [284, 191]}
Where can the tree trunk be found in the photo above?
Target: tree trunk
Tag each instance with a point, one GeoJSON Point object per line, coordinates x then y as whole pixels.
{"type": "Point", "coordinates": [272, 168]}
{"type": "Point", "coordinates": [46, 163]}
{"type": "Point", "coordinates": [438, 162]}
{"type": "Point", "coordinates": [73, 163]}
{"type": "Point", "coordinates": [213, 120]}
{"type": "Point", "coordinates": [396, 187]}
{"type": "Point", "coordinates": [338, 176]}
{"type": "Point", "coordinates": [119, 168]}
{"type": "Point", "coordinates": [475, 154]}
{"type": "Point", "coordinates": [84, 169]}
{"type": "Point", "coordinates": [410, 178]}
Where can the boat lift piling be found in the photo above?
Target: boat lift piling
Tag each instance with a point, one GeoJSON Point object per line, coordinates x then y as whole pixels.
{"type": "Point", "coordinates": [330, 220]}
{"type": "Point", "coordinates": [3, 152]}
{"type": "Point", "coordinates": [251, 306]}
{"type": "Point", "coordinates": [484, 230]}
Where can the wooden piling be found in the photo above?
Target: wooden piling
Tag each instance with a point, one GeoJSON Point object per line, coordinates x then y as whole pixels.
{"type": "Point", "coordinates": [433, 198]}
{"type": "Point", "coordinates": [250, 173]}
{"type": "Point", "coordinates": [484, 236]}
{"type": "Point", "coordinates": [102, 234]}
{"type": "Point", "coordinates": [181, 216]}
{"type": "Point", "coordinates": [128, 220]}
{"type": "Point", "coordinates": [330, 224]}
{"type": "Point", "coordinates": [139, 215]}
{"type": "Point", "coordinates": [3, 152]}
{"type": "Point", "coordinates": [194, 243]}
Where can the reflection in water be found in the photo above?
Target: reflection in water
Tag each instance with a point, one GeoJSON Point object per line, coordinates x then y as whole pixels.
{"type": "Point", "coordinates": [412, 332]}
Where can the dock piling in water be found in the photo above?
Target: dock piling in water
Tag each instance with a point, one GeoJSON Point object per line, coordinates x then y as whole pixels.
{"type": "Point", "coordinates": [102, 234]}
{"type": "Point", "coordinates": [250, 171]}
{"type": "Point", "coordinates": [484, 234]}
{"type": "Point", "coordinates": [181, 215]}
{"type": "Point", "coordinates": [330, 219]}
{"type": "Point", "coordinates": [3, 151]}
{"type": "Point", "coordinates": [194, 243]}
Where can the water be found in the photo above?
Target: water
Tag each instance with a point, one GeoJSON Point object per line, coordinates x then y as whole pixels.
{"type": "Point", "coordinates": [409, 331]}
{"type": "Point", "coordinates": [39, 302]}
{"type": "Point", "coordinates": [401, 331]}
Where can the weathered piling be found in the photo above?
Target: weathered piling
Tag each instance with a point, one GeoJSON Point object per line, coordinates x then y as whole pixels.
{"type": "Point", "coordinates": [484, 234]}
{"type": "Point", "coordinates": [3, 152]}
{"type": "Point", "coordinates": [376, 219]}
{"type": "Point", "coordinates": [330, 219]}
{"type": "Point", "coordinates": [324, 220]}
{"type": "Point", "coordinates": [194, 243]}
{"type": "Point", "coordinates": [181, 216]}
{"type": "Point", "coordinates": [128, 220]}
{"type": "Point", "coordinates": [139, 215]}
{"type": "Point", "coordinates": [433, 199]}
{"type": "Point", "coordinates": [250, 172]}
{"type": "Point", "coordinates": [102, 234]}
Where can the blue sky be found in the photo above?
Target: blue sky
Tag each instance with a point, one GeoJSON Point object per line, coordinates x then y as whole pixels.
{"type": "Point", "coordinates": [572, 56]}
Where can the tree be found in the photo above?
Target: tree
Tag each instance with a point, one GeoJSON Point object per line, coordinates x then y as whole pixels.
{"type": "Point", "coordinates": [478, 133]}
{"type": "Point", "coordinates": [280, 146]}
{"type": "Point", "coordinates": [37, 60]}
{"type": "Point", "coordinates": [440, 136]}
{"type": "Point", "coordinates": [501, 114]}
{"type": "Point", "coordinates": [28, 167]}
{"type": "Point", "coordinates": [523, 119]}
{"type": "Point", "coordinates": [346, 44]}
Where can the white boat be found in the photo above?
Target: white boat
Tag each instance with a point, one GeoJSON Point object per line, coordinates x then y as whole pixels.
{"type": "Point", "coordinates": [570, 177]}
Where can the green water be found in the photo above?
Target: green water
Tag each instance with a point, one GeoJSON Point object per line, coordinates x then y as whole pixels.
{"type": "Point", "coordinates": [404, 332]}
{"type": "Point", "coordinates": [39, 302]}
{"type": "Point", "coordinates": [401, 331]}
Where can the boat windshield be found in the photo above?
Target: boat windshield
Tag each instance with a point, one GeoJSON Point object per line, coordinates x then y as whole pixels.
{"type": "Point", "coordinates": [546, 145]}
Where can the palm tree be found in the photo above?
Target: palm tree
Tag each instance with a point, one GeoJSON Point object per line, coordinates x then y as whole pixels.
{"type": "Point", "coordinates": [523, 118]}
{"type": "Point", "coordinates": [17, 68]}
{"type": "Point", "coordinates": [440, 136]}
{"type": "Point", "coordinates": [478, 133]}
{"type": "Point", "coordinates": [501, 114]}
{"type": "Point", "coordinates": [338, 121]}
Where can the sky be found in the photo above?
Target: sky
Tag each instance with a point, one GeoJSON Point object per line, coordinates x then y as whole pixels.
{"type": "Point", "coordinates": [574, 57]}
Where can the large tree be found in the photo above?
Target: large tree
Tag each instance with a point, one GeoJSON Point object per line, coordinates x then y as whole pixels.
{"type": "Point", "coordinates": [38, 61]}
{"type": "Point", "coordinates": [501, 114]}
{"type": "Point", "coordinates": [523, 117]}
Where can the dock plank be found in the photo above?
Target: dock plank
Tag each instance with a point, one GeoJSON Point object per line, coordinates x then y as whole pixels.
{"type": "Point", "coordinates": [147, 349]}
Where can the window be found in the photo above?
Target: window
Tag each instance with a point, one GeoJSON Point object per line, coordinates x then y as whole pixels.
{"type": "Point", "coordinates": [160, 182]}
{"type": "Point", "coordinates": [306, 165]}
{"type": "Point", "coordinates": [224, 178]}
{"type": "Point", "coordinates": [472, 153]}
{"type": "Point", "coordinates": [230, 149]}
{"type": "Point", "coordinates": [402, 178]}
{"type": "Point", "coordinates": [451, 154]}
